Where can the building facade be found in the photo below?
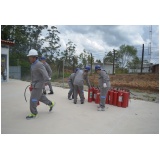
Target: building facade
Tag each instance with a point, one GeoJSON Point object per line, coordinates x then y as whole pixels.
{"type": "Point", "coordinates": [5, 60]}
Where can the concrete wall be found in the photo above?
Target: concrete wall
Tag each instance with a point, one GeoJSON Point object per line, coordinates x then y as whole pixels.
{"type": "Point", "coordinates": [15, 72]}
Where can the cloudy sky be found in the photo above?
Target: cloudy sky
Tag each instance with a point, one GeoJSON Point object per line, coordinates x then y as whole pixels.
{"type": "Point", "coordinates": [99, 39]}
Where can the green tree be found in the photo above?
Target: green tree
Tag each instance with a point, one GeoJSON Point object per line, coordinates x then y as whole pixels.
{"type": "Point", "coordinates": [83, 58]}
{"type": "Point", "coordinates": [134, 64]}
{"type": "Point", "coordinates": [52, 41]}
{"type": "Point", "coordinates": [108, 57]}
{"type": "Point", "coordinates": [28, 37]}
{"type": "Point", "coordinates": [125, 54]}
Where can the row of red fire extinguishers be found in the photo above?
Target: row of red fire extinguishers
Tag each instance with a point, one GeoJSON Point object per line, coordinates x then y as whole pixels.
{"type": "Point", "coordinates": [116, 96]}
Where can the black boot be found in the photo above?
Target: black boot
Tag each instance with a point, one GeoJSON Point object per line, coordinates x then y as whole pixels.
{"type": "Point", "coordinates": [44, 92]}
{"type": "Point", "coordinates": [51, 92]}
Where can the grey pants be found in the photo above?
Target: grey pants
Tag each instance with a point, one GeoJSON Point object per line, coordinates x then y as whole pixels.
{"type": "Point", "coordinates": [103, 94]}
{"type": "Point", "coordinates": [78, 89]}
{"type": "Point", "coordinates": [37, 95]}
{"type": "Point", "coordinates": [50, 86]}
{"type": "Point", "coordinates": [70, 93]}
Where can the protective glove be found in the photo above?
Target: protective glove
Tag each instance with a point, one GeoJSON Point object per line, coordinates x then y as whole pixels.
{"type": "Point", "coordinates": [104, 85]}
{"type": "Point", "coordinates": [49, 78]}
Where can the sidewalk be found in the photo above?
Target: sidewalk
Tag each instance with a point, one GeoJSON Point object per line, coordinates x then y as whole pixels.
{"type": "Point", "coordinates": [68, 118]}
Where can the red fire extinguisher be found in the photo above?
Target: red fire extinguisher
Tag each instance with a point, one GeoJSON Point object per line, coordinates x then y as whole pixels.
{"type": "Point", "coordinates": [90, 92]}
{"type": "Point", "coordinates": [125, 99]}
{"type": "Point", "coordinates": [95, 93]}
{"type": "Point", "coordinates": [30, 88]}
{"type": "Point", "coordinates": [97, 100]}
{"type": "Point", "coordinates": [119, 98]}
{"type": "Point", "coordinates": [111, 97]}
{"type": "Point", "coordinates": [115, 95]}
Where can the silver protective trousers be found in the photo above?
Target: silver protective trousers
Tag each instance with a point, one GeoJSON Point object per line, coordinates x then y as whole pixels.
{"type": "Point", "coordinates": [37, 95]}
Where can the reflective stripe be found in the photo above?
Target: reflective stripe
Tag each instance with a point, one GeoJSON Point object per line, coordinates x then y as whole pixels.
{"type": "Point", "coordinates": [34, 100]}
{"type": "Point", "coordinates": [103, 97]}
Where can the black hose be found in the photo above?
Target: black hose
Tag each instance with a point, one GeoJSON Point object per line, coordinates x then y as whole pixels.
{"type": "Point", "coordinates": [25, 93]}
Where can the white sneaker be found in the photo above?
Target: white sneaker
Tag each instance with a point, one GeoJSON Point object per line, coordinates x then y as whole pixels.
{"type": "Point", "coordinates": [98, 108]}
{"type": "Point", "coordinates": [103, 109]}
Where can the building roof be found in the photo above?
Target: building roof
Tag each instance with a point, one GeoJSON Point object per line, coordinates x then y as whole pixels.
{"type": "Point", "coordinates": [7, 42]}
{"type": "Point", "coordinates": [155, 65]}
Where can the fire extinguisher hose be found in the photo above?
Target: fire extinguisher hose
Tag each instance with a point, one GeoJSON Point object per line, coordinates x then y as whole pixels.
{"type": "Point", "coordinates": [132, 93]}
{"type": "Point", "coordinates": [25, 93]}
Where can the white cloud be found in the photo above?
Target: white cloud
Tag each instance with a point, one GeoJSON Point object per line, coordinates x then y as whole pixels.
{"type": "Point", "coordinates": [99, 39]}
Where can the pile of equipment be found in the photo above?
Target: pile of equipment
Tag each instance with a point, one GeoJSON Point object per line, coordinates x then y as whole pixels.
{"type": "Point", "coordinates": [116, 96]}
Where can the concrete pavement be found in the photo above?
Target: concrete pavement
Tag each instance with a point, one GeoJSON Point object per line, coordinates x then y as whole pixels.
{"type": "Point", "coordinates": [140, 117]}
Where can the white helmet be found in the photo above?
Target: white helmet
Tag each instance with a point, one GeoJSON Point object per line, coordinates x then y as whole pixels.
{"type": "Point", "coordinates": [33, 52]}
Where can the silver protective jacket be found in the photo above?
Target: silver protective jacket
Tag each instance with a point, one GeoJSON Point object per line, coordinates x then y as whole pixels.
{"type": "Point", "coordinates": [80, 76]}
{"type": "Point", "coordinates": [39, 75]}
{"type": "Point", "coordinates": [103, 78]}
{"type": "Point", "coordinates": [48, 68]}
{"type": "Point", "coordinates": [71, 78]}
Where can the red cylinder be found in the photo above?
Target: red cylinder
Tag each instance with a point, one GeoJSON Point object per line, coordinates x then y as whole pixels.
{"type": "Point", "coordinates": [125, 99]}
{"type": "Point", "coordinates": [111, 97]}
{"type": "Point", "coordinates": [97, 100]}
{"type": "Point", "coordinates": [115, 95]}
{"type": "Point", "coordinates": [119, 98]}
{"type": "Point", "coordinates": [95, 93]}
{"type": "Point", "coordinates": [90, 95]}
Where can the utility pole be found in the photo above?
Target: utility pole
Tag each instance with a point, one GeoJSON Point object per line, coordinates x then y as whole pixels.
{"type": "Point", "coordinates": [150, 46]}
{"type": "Point", "coordinates": [63, 73]}
{"type": "Point", "coordinates": [91, 63]}
{"type": "Point", "coordinates": [73, 63]}
{"type": "Point", "coordinates": [113, 59]}
{"type": "Point", "coordinates": [142, 58]}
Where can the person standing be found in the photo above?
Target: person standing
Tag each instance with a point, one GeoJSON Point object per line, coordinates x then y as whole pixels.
{"type": "Point", "coordinates": [2, 72]}
{"type": "Point", "coordinates": [49, 71]}
{"type": "Point", "coordinates": [80, 76]}
{"type": "Point", "coordinates": [39, 77]}
{"type": "Point", "coordinates": [104, 84]}
{"type": "Point", "coordinates": [71, 86]}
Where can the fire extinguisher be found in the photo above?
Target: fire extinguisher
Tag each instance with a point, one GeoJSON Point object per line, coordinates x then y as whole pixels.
{"type": "Point", "coordinates": [30, 88]}
{"type": "Point", "coordinates": [95, 93]}
{"type": "Point", "coordinates": [111, 97]}
{"type": "Point", "coordinates": [115, 95]}
{"type": "Point", "coordinates": [90, 92]}
{"type": "Point", "coordinates": [125, 99]}
{"type": "Point", "coordinates": [97, 100]}
{"type": "Point", "coordinates": [119, 98]}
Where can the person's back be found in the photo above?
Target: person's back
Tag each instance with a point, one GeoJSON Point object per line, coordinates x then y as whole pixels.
{"type": "Point", "coordinates": [48, 68]}
{"type": "Point", "coordinates": [80, 76]}
{"type": "Point", "coordinates": [49, 71]}
{"type": "Point", "coordinates": [79, 80]}
{"type": "Point", "coordinates": [70, 83]}
{"type": "Point", "coordinates": [71, 78]}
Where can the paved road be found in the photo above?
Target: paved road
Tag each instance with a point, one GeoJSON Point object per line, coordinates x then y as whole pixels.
{"type": "Point", "coordinates": [141, 117]}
